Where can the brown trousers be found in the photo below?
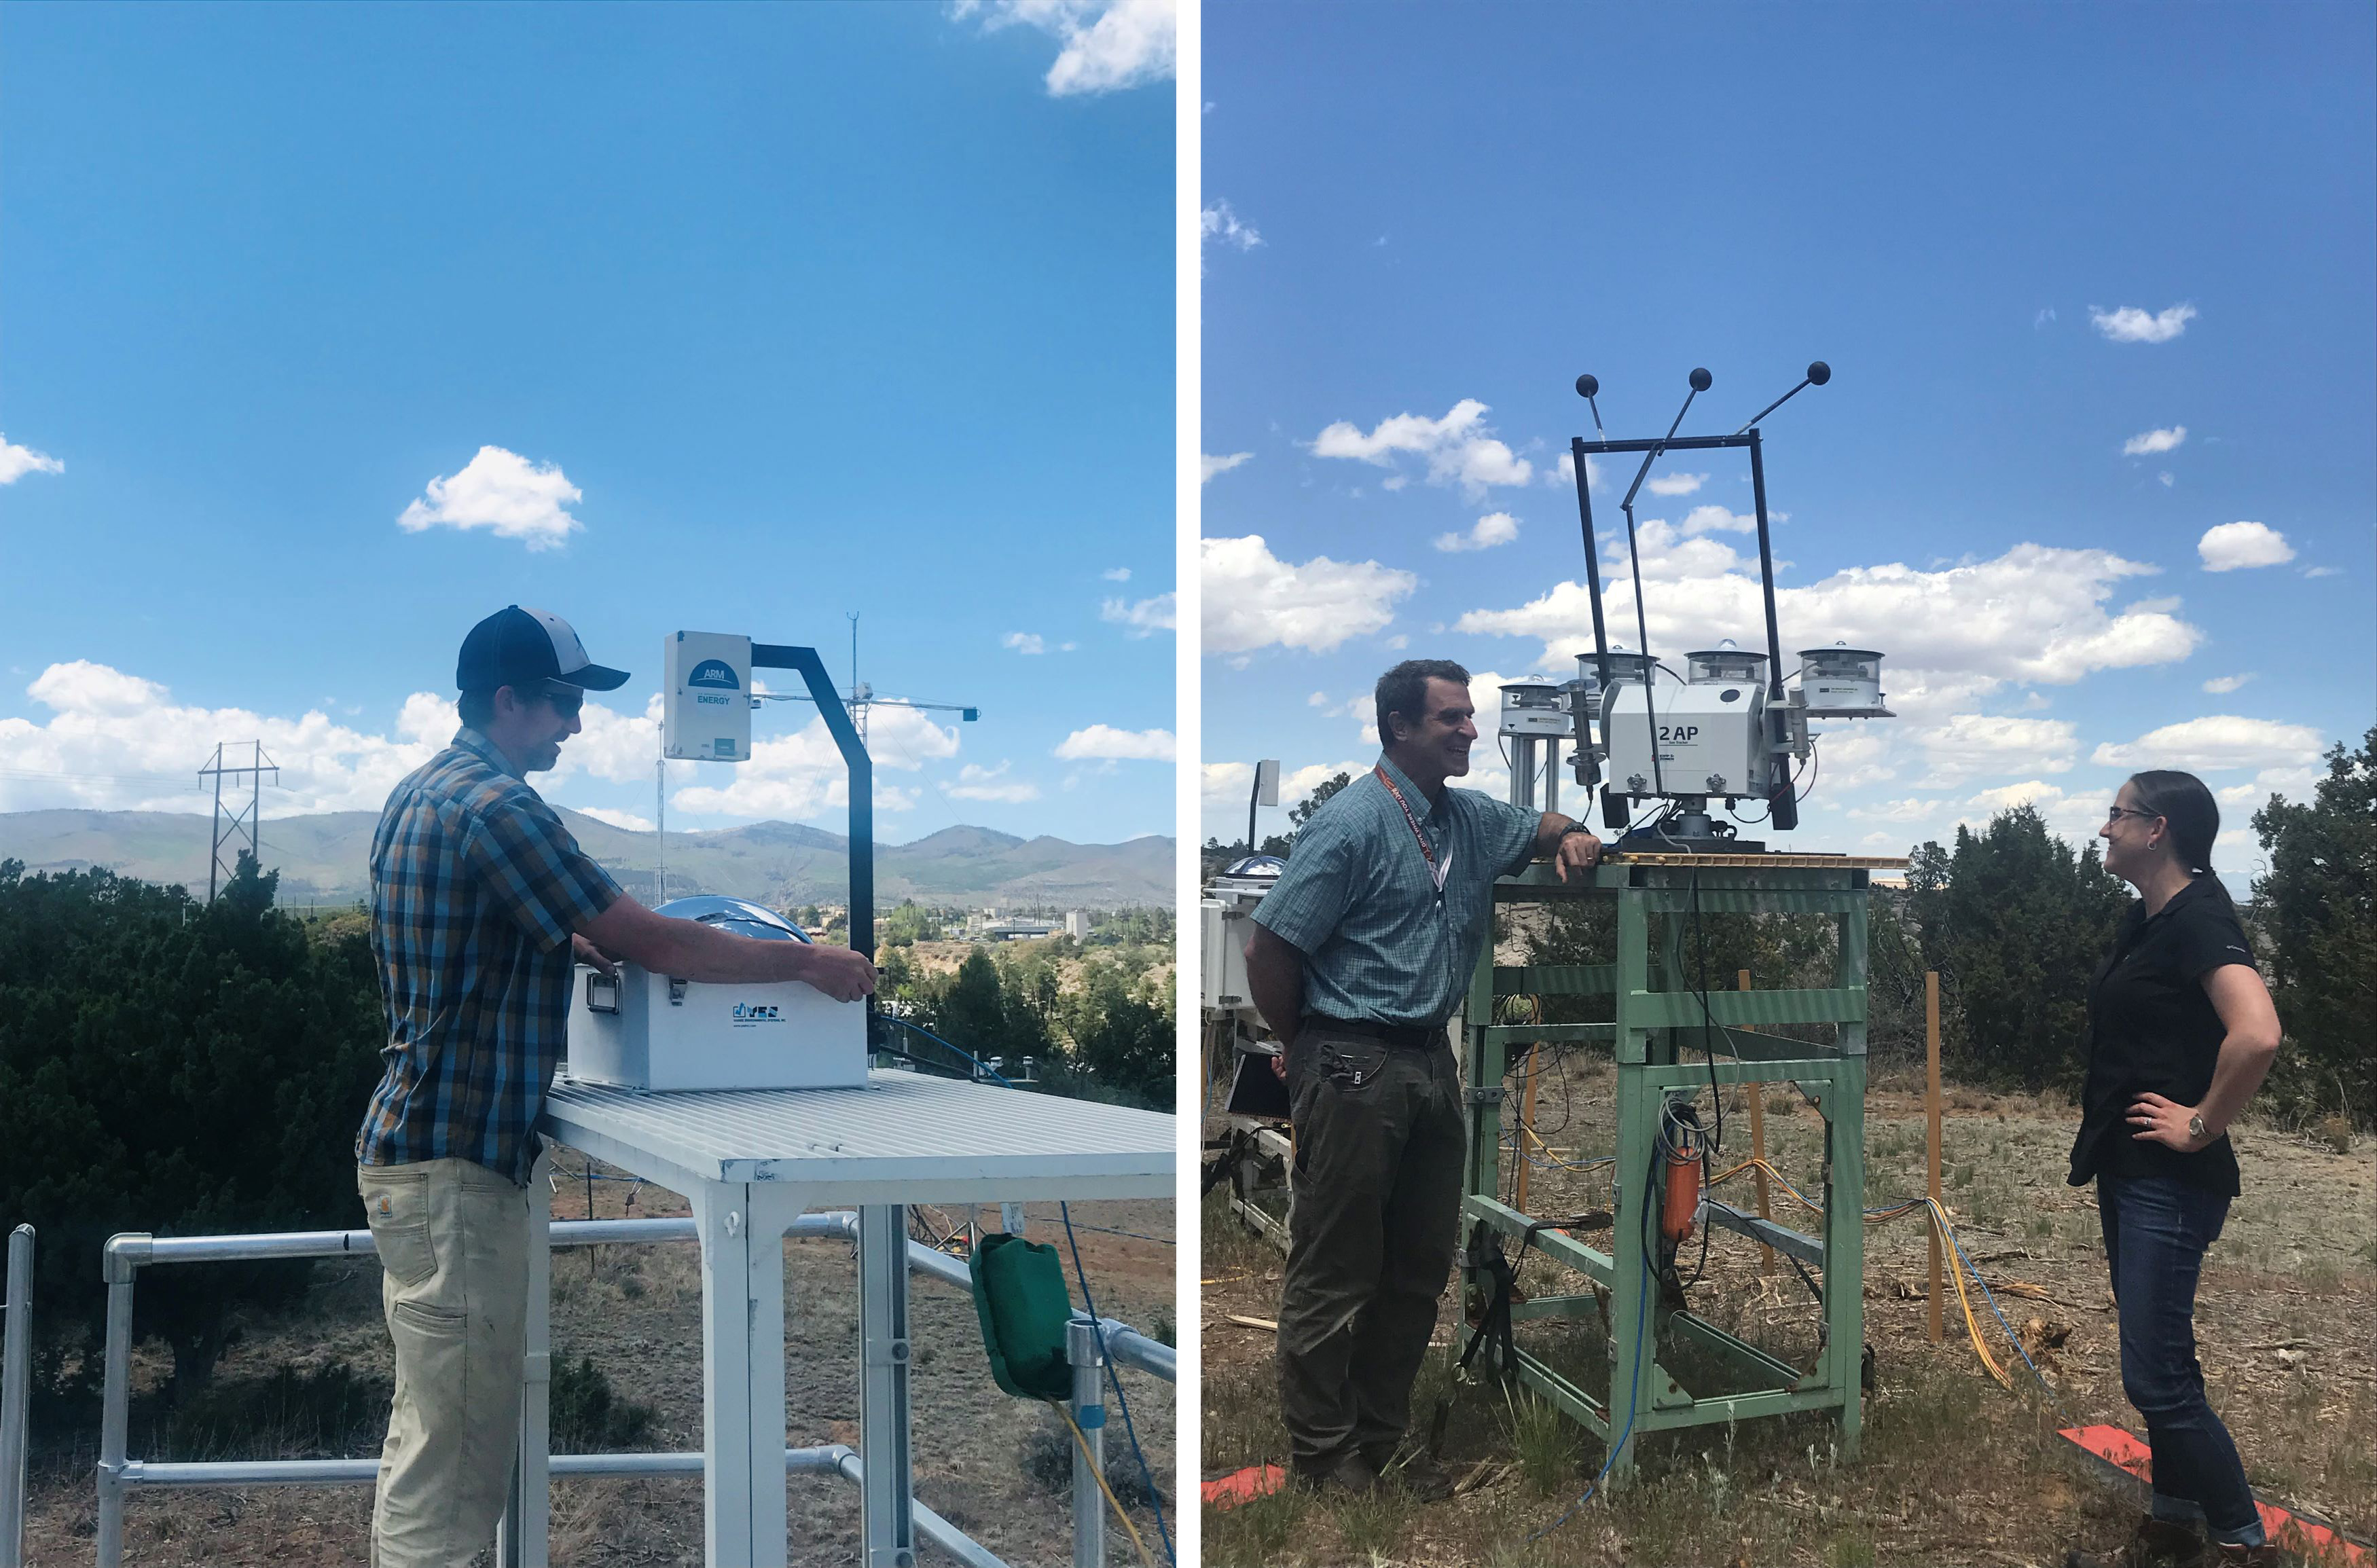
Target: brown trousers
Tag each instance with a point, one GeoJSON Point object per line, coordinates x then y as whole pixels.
{"type": "Point", "coordinates": [1380, 1141]}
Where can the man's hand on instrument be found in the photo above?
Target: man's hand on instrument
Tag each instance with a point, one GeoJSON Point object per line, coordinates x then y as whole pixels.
{"type": "Point", "coordinates": [840, 971]}
{"type": "Point", "coordinates": [1578, 850]}
{"type": "Point", "coordinates": [586, 952]}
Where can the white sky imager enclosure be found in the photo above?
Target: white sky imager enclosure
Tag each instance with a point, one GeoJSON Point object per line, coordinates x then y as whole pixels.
{"type": "Point", "coordinates": [706, 707]}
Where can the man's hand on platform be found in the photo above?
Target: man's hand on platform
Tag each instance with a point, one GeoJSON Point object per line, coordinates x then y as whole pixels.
{"type": "Point", "coordinates": [1579, 850]}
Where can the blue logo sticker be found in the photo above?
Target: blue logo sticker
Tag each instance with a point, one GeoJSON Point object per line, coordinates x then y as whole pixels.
{"type": "Point", "coordinates": [724, 746]}
{"type": "Point", "coordinates": [714, 673]}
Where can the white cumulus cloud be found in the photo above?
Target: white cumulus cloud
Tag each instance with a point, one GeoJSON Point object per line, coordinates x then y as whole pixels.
{"type": "Point", "coordinates": [16, 461]}
{"type": "Point", "coordinates": [1218, 224]}
{"type": "Point", "coordinates": [1209, 465]}
{"type": "Point", "coordinates": [2131, 325]}
{"type": "Point", "coordinates": [2220, 685]}
{"type": "Point", "coordinates": [2232, 547]}
{"type": "Point", "coordinates": [1977, 743]}
{"type": "Point", "coordinates": [118, 742]}
{"type": "Point", "coordinates": [1104, 742]}
{"type": "Point", "coordinates": [2034, 615]}
{"type": "Point", "coordinates": [1460, 449]}
{"type": "Point", "coordinates": [802, 774]}
{"type": "Point", "coordinates": [1024, 642]}
{"type": "Point", "coordinates": [1107, 44]}
{"type": "Point", "coordinates": [1116, 574]}
{"type": "Point", "coordinates": [1253, 599]}
{"type": "Point", "coordinates": [2155, 441]}
{"type": "Point", "coordinates": [1671, 484]}
{"type": "Point", "coordinates": [1144, 617]}
{"type": "Point", "coordinates": [2215, 741]}
{"type": "Point", "coordinates": [1494, 528]}
{"type": "Point", "coordinates": [2005, 797]}
{"type": "Point", "coordinates": [983, 784]}
{"type": "Point", "coordinates": [502, 491]}
{"type": "Point", "coordinates": [627, 821]}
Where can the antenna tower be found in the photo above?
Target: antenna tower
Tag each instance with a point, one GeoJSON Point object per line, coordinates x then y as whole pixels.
{"type": "Point", "coordinates": [245, 821]}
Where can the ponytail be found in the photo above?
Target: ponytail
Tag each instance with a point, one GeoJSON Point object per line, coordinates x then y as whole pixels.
{"type": "Point", "coordinates": [2187, 806]}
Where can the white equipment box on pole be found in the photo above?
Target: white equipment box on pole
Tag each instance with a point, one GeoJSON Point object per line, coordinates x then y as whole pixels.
{"type": "Point", "coordinates": [706, 713]}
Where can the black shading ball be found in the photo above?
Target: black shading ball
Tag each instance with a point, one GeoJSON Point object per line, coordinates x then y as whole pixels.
{"type": "Point", "coordinates": [1819, 373]}
{"type": "Point", "coordinates": [1701, 379]}
{"type": "Point", "coordinates": [1588, 385]}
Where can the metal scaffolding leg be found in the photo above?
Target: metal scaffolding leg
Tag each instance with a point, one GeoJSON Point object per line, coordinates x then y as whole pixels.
{"type": "Point", "coordinates": [1090, 1414]}
{"type": "Point", "coordinates": [883, 1390]}
{"type": "Point", "coordinates": [743, 1363]}
{"type": "Point", "coordinates": [522, 1539]}
{"type": "Point", "coordinates": [16, 1369]}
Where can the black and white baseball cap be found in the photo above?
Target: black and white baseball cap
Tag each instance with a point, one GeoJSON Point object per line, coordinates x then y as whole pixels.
{"type": "Point", "coordinates": [519, 648]}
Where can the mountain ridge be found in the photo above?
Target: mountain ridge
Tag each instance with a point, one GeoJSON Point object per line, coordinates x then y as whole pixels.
{"type": "Point", "coordinates": [325, 859]}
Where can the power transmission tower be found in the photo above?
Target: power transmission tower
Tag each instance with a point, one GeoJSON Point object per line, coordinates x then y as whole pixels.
{"type": "Point", "coordinates": [245, 823]}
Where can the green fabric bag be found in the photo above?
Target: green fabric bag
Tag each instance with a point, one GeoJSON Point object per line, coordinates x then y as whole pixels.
{"type": "Point", "coordinates": [1019, 1294]}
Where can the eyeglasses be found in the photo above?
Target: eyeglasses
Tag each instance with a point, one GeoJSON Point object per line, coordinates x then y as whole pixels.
{"type": "Point", "coordinates": [564, 700]}
{"type": "Point", "coordinates": [2115, 814]}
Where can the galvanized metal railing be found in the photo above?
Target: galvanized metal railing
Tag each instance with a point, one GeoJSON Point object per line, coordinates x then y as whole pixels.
{"type": "Point", "coordinates": [119, 1474]}
{"type": "Point", "coordinates": [16, 1370]}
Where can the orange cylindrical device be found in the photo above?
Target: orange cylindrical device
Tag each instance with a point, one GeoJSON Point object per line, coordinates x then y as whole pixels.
{"type": "Point", "coordinates": [1681, 1202]}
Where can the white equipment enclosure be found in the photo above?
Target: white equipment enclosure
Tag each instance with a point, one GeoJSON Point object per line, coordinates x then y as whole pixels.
{"type": "Point", "coordinates": [644, 1030]}
{"type": "Point", "coordinates": [706, 711]}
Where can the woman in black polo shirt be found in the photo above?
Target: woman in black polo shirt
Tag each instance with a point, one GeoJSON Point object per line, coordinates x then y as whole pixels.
{"type": "Point", "coordinates": [2181, 1032]}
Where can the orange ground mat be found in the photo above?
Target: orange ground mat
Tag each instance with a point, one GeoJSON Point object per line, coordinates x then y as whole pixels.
{"type": "Point", "coordinates": [2298, 1532]}
{"type": "Point", "coordinates": [1245, 1486]}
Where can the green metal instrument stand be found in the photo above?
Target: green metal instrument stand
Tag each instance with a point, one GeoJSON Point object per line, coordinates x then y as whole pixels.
{"type": "Point", "coordinates": [1658, 1036]}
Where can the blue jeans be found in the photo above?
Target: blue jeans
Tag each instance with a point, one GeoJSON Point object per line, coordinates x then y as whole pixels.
{"type": "Point", "coordinates": [2157, 1231]}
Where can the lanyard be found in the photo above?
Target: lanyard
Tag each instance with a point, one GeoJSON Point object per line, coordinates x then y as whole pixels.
{"type": "Point", "coordinates": [1436, 870]}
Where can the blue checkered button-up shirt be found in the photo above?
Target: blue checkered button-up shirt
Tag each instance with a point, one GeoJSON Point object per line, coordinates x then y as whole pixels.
{"type": "Point", "coordinates": [476, 887]}
{"type": "Point", "coordinates": [1359, 899]}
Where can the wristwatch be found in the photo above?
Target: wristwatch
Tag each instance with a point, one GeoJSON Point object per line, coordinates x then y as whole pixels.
{"type": "Point", "coordinates": [2196, 1130]}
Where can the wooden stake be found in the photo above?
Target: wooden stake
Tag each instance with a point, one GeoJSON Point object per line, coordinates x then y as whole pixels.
{"type": "Point", "coordinates": [1527, 1126]}
{"type": "Point", "coordinates": [1931, 1115]}
{"type": "Point", "coordinates": [1758, 1148]}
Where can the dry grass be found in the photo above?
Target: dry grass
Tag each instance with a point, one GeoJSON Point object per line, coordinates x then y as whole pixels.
{"type": "Point", "coordinates": [1954, 1469]}
{"type": "Point", "coordinates": [635, 1310]}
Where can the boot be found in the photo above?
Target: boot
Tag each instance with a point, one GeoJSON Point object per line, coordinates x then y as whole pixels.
{"type": "Point", "coordinates": [2157, 1543]}
{"type": "Point", "coordinates": [1348, 1478]}
{"type": "Point", "coordinates": [2269, 1554]}
{"type": "Point", "coordinates": [1411, 1472]}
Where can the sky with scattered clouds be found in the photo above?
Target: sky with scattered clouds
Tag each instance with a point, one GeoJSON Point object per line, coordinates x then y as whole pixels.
{"type": "Point", "coordinates": [2093, 469]}
{"type": "Point", "coordinates": [332, 330]}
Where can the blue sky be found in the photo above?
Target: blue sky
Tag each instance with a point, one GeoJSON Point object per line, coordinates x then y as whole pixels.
{"type": "Point", "coordinates": [2095, 282]}
{"type": "Point", "coordinates": [723, 318]}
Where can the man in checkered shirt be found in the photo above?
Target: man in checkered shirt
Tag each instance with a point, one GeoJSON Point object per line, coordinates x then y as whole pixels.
{"type": "Point", "coordinates": [481, 906]}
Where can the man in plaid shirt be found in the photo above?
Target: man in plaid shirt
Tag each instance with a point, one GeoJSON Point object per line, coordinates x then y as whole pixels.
{"type": "Point", "coordinates": [482, 904]}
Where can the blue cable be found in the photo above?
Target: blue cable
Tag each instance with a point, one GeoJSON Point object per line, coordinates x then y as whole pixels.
{"type": "Point", "coordinates": [1634, 1389]}
{"type": "Point", "coordinates": [1130, 1428]}
{"type": "Point", "coordinates": [1147, 1476]}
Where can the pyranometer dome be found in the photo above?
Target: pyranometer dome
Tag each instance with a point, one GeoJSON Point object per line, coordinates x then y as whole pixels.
{"type": "Point", "coordinates": [739, 916]}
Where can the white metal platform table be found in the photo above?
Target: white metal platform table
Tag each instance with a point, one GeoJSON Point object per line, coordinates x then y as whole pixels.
{"type": "Point", "coordinates": [751, 1161]}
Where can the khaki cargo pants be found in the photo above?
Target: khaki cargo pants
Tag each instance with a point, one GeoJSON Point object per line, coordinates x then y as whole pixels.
{"type": "Point", "coordinates": [1379, 1141]}
{"type": "Point", "coordinates": [453, 1245]}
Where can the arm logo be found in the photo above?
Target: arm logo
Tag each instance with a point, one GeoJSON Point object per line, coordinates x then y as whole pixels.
{"type": "Point", "coordinates": [715, 673]}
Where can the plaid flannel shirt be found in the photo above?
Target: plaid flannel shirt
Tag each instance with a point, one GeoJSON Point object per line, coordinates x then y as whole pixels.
{"type": "Point", "coordinates": [476, 887]}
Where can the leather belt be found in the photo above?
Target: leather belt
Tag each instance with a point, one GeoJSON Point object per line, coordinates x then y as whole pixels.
{"type": "Point", "coordinates": [1413, 1037]}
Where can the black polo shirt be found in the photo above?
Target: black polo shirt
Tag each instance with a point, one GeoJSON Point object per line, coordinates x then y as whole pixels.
{"type": "Point", "coordinates": [2152, 1029]}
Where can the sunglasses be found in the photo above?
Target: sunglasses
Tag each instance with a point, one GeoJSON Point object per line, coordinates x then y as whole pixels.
{"type": "Point", "coordinates": [564, 700]}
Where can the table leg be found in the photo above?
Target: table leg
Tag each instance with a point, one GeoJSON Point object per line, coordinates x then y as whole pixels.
{"type": "Point", "coordinates": [521, 1540]}
{"type": "Point", "coordinates": [883, 1394]}
{"type": "Point", "coordinates": [742, 1376]}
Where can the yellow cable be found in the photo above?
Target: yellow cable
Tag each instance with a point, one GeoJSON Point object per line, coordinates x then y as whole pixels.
{"type": "Point", "coordinates": [1938, 1218]}
{"type": "Point", "coordinates": [1099, 1471]}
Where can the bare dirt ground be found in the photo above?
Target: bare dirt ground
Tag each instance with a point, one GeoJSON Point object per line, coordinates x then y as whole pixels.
{"type": "Point", "coordinates": [1955, 1468]}
{"type": "Point", "coordinates": [635, 1311]}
